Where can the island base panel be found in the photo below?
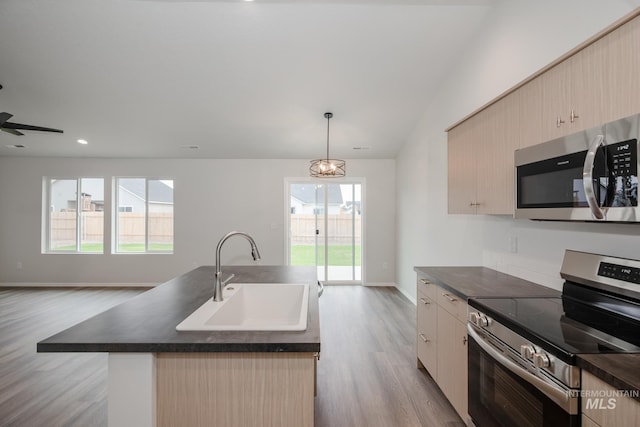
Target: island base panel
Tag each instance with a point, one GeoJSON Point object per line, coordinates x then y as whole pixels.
{"type": "Point", "coordinates": [235, 389]}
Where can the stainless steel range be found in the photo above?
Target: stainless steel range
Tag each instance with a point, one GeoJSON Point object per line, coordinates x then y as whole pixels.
{"type": "Point", "coordinates": [523, 351]}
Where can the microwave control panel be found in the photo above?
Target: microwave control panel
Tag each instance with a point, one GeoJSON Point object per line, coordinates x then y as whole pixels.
{"type": "Point", "coordinates": [624, 158]}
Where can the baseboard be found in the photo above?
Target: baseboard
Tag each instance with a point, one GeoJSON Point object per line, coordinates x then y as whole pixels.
{"type": "Point", "coordinates": [387, 284]}
{"type": "Point", "coordinates": [75, 285]}
{"type": "Point", "coordinates": [409, 297]}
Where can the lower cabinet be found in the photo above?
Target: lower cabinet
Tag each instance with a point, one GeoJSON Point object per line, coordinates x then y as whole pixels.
{"type": "Point", "coordinates": [452, 360]}
{"type": "Point", "coordinates": [427, 312]}
{"type": "Point", "coordinates": [605, 406]}
{"type": "Point", "coordinates": [441, 341]}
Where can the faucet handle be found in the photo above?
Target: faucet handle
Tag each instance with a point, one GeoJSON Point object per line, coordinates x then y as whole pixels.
{"type": "Point", "coordinates": [224, 282]}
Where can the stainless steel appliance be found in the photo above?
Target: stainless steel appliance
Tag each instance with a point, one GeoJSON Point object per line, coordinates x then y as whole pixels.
{"type": "Point", "coordinates": [523, 351]}
{"type": "Point", "coordinates": [588, 176]}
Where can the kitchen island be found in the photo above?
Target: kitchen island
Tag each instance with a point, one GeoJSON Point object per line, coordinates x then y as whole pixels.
{"type": "Point", "coordinates": [161, 377]}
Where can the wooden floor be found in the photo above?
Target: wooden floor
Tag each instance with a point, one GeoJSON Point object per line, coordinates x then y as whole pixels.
{"type": "Point", "coordinates": [367, 372]}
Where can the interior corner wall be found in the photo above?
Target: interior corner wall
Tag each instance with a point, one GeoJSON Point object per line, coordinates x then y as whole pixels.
{"type": "Point", "coordinates": [517, 39]}
{"type": "Point", "coordinates": [212, 197]}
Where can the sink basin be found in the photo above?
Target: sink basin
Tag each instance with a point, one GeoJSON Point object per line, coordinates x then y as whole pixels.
{"type": "Point", "coordinates": [253, 307]}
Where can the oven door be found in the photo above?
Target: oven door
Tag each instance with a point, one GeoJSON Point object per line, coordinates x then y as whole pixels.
{"type": "Point", "coordinates": [502, 393]}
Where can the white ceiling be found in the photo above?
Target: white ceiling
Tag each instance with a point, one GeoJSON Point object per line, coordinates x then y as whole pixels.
{"type": "Point", "coordinates": [147, 78]}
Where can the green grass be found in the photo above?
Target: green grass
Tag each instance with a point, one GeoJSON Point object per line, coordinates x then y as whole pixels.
{"type": "Point", "coordinates": [123, 248]}
{"type": "Point", "coordinates": [339, 255]}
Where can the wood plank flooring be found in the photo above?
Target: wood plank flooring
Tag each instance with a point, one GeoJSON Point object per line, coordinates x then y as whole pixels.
{"type": "Point", "coordinates": [367, 372]}
{"type": "Point", "coordinates": [51, 389]}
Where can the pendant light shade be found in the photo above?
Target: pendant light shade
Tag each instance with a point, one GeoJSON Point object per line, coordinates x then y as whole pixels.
{"type": "Point", "coordinates": [327, 167]}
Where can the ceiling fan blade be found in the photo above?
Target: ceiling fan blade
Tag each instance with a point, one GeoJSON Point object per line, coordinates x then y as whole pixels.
{"type": "Point", "coordinates": [11, 131]}
{"type": "Point", "coordinates": [4, 117]}
{"type": "Point", "coordinates": [7, 125]}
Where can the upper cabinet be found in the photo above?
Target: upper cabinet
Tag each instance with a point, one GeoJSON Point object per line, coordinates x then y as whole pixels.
{"type": "Point", "coordinates": [597, 84]}
{"type": "Point", "coordinates": [622, 98]}
{"type": "Point", "coordinates": [480, 159]}
{"type": "Point", "coordinates": [529, 105]}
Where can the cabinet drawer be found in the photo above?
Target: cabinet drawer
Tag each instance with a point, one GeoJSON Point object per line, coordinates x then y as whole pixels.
{"type": "Point", "coordinates": [427, 288]}
{"type": "Point", "coordinates": [451, 302]}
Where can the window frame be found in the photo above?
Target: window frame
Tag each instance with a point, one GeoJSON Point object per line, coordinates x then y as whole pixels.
{"type": "Point", "coordinates": [115, 248]}
{"type": "Point", "coordinates": [47, 182]}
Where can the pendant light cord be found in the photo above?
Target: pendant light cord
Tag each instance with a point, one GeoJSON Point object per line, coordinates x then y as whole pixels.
{"type": "Point", "coordinates": [328, 117]}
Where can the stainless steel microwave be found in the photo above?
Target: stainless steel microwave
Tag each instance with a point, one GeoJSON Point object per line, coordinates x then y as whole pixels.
{"type": "Point", "coordinates": [591, 175]}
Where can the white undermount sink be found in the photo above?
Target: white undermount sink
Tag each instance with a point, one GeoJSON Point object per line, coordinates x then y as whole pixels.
{"type": "Point", "coordinates": [253, 307]}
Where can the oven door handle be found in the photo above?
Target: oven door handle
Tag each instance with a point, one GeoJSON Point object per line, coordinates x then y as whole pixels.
{"type": "Point", "coordinates": [557, 394]}
{"type": "Point", "coordinates": [587, 177]}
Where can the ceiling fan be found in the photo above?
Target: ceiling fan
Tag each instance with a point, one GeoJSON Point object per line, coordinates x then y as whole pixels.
{"type": "Point", "coordinates": [15, 128]}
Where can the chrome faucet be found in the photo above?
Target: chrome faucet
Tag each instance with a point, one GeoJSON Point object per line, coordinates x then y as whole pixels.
{"type": "Point", "coordinates": [217, 290]}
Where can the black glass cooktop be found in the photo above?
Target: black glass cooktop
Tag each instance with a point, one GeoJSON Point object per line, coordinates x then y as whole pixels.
{"type": "Point", "coordinates": [563, 326]}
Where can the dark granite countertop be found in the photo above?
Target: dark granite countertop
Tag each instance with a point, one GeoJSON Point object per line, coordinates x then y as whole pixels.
{"type": "Point", "coordinates": [622, 371]}
{"type": "Point", "coordinates": [482, 282]}
{"type": "Point", "coordinates": [147, 322]}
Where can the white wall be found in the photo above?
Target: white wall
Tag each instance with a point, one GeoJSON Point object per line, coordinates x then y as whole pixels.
{"type": "Point", "coordinates": [212, 197]}
{"type": "Point", "coordinates": [518, 38]}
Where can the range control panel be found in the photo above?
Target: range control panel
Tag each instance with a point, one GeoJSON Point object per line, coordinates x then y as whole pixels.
{"type": "Point", "coordinates": [619, 272]}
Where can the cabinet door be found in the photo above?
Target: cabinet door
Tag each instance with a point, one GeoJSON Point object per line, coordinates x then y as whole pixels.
{"type": "Point", "coordinates": [623, 86]}
{"type": "Point", "coordinates": [452, 360]}
{"type": "Point", "coordinates": [530, 113]}
{"type": "Point", "coordinates": [426, 334]}
{"type": "Point", "coordinates": [462, 167]}
{"type": "Point", "coordinates": [556, 101]}
{"type": "Point", "coordinates": [589, 77]}
{"type": "Point", "coordinates": [495, 169]}
{"type": "Point", "coordinates": [602, 405]}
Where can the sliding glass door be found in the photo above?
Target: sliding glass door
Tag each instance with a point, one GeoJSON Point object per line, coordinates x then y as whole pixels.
{"type": "Point", "coordinates": [325, 228]}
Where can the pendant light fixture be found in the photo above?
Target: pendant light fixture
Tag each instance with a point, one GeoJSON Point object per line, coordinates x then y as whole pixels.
{"type": "Point", "coordinates": [327, 168]}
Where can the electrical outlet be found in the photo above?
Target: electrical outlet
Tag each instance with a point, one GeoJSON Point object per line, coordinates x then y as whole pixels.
{"type": "Point", "coordinates": [19, 265]}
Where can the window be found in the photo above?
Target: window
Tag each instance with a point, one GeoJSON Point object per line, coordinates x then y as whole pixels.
{"type": "Point", "coordinates": [74, 215]}
{"type": "Point", "coordinates": [144, 219]}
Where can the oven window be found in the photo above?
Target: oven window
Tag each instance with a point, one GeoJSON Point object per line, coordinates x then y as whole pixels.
{"type": "Point", "coordinates": [499, 398]}
{"type": "Point", "coordinates": [526, 412]}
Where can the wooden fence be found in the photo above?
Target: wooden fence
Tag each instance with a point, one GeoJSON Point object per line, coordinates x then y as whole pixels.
{"type": "Point", "coordinates": [130, 226]}
{"type": "Point", "coordinates": [340, 228]}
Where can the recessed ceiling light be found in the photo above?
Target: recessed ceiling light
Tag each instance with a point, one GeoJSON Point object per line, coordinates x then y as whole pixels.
{"type": "Point", "coordinates": [83, 141]}
{"type": "Point", "coordinates": [16, 146]}
{"type": "Point", "coordinates": [362, 148]}
{"type": "Point", "coordinates": [190, 147]}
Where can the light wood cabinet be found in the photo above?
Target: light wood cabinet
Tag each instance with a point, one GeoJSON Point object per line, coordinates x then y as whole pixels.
{"type": "Point", "coordinates": [623, 85]}
{"type": "Point", "coordinates": [452, 359]}
{"type": "Point", "coordinates": [604, 406]}
{"type": "Point", "coordinates": [596, 84]}
{"type": "Point", "coordinates": [441, 342]}
{"type": "Point", "coordinates": [235, 389]}
{"type": "Point", "coordinates": [462, 163]}
{"type": "Point", "coordinates": [495, 170]}
{"type": "Point", "coordinates": [574, 92]}
{"type": "Point", "coordinates": [529, 100]}
{"type": "Point", "coordinates": [426, 341]}
{"type": "Point", "coordinates": [481, 160]}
